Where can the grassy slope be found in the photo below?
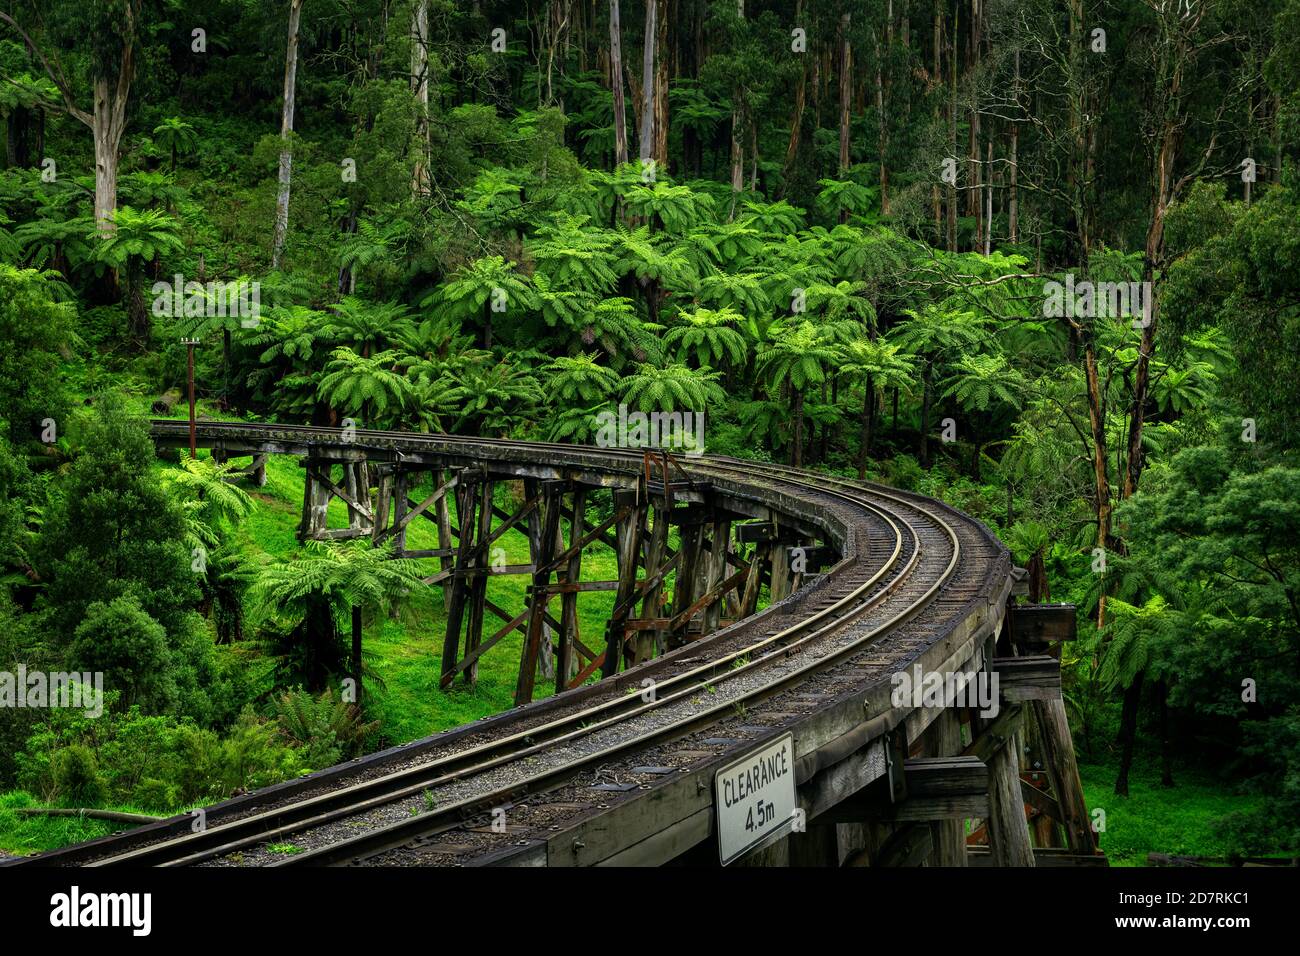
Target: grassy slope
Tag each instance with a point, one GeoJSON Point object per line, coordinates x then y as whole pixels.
{"type": "Point", "coordinates": [406, 653]}
{"type": "Point", "coordinates": [1178, 820]}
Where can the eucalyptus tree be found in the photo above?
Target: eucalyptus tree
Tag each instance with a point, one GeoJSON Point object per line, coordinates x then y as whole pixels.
{"type": "Point", "coordinates": [287, 104]}
{"type": "Point", "coordinates": [106, 41]}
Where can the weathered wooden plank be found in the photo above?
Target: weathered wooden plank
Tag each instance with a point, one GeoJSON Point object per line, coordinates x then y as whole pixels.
{"type": "Point", "coordinates": [1058, 755]}
{"type": "Point", "coordinates": [1007, 827]}
{"type": "Point", "coordinates": [566, 663]}
{"type": "Point", "coordinates": [349, 498]}
{"type": "Point", "coordinates": [478, 583]}
{"type": "Point", "coordinates": [538, 597]}
{"type": "Point", "coordinates": [1020, 679]}
{"type": "Point", "coordinates": [466, 501]}
{"type": "Point", "coordinates": [630, 505]}
{"type": "Point", "coordinates": [1034, 626]}
{"type": "Point", "coordinates": [1043, 856]}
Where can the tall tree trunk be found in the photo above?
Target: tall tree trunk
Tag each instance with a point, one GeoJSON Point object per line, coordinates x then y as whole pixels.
{"type": "Point", "coordinates": [952, 126]}
{"type": "Point", "coordinates": [109, 124]}
{"type": "Point", "coordinates": [420, 182]}
{"type": "Point", "coordinates": [796, 118]}
{"type": "Point", "coordinates": [286, 129]}
{"type": "Point", "coordinates": [864, 438]}
{"type": "Point", "coordinates": [1154, 254]}
{"type": "Point", "coordinates": [988, 197]}
{"type": "Point", "coordinates": [796, 411]}
{"type": "Point", "coordinates": [936, 80]}
{"type": "Point", "coordinates": [137, 312]}
{"type": "Point", "coordinates": [616, 85]}
{"type": "Point", "coordinates": [661, 86]}
{"type": "Point", "coordinates": [1128, 732]}
{"type": "Point", "coordinates": [1166, 756]}
{"type": "Point", "coordinates": [882, 89]}
{"type": "Point", "coordinates": [846, 95]}
{"type": "Point", "coordinates": [975, 195]}
{"type": "Point", "coordinates": [1097, 423]}
{"type": "Point", "coordinates": [646, 141]}
{"type": "Point", "coordinates": [356, 649]}
{"type": "Point", "coordinates": [737, 150]}
{"type": "Point", "coordinates": [926, 375]}
{"type": "Point", "coordinates": [1013, 201]}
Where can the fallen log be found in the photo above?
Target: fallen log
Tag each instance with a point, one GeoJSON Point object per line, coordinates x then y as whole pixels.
{"type": "Point", "coordinates": [164, 403]}
{"type": "Point", "coordinates": [114, 816]}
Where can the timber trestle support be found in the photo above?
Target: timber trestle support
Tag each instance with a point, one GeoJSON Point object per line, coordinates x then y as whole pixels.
{"type": "Point", "coordinates": [685, 562]}
{"type": "Point", "coordinates": [629, 559]}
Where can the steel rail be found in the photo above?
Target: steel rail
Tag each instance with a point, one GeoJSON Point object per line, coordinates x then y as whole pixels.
{"type": "Point", "coordinates": [367, 845]}
{"type": "Point", "coordinates": [284, 820]}
{"type": "Point", "coordinates": [389, 788]}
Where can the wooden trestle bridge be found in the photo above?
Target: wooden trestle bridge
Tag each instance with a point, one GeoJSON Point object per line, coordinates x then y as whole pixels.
{"type": "Point", "coordinates": [748, 710]}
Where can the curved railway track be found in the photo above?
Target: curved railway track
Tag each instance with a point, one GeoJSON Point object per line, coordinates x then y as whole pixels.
{"type": "Point", "coordinates": [904, 558]}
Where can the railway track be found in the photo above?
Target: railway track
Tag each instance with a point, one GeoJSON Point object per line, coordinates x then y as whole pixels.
{"type": "Point", "coordinates": [902, 556]}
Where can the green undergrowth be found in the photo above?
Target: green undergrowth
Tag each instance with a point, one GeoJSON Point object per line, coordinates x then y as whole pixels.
{"type": "Point", "coordinates": [1182, 820]}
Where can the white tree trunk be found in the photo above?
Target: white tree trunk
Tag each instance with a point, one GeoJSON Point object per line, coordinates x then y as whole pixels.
{"type": "Point", "coordinates": [616, 85]}
{"type": "Point", "coordinates": [647, 143]}
{"type": "Point", "coordinates": [286, 128]}
{"type": "Point", "coordinates": [420, 88]}
{"type": "Point", "coordinates": [108, 123]}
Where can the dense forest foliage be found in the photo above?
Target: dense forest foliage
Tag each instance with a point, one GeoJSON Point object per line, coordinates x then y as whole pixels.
{"type": "Point", "coordinates": [1038, 259]}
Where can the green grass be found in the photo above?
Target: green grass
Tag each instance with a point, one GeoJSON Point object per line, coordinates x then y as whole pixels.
{"type": "Point", "coordinates": [1178, 820]}
{"type": "Point", "coordinates": [284, 849]}
{"type": "Point", "coordinates": [406, 653]}
{"type": "Point", "coordinates": [22, 835]}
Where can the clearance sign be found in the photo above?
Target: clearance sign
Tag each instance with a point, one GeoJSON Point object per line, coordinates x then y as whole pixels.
{"type": "Point", "coordinates": [755, 798]}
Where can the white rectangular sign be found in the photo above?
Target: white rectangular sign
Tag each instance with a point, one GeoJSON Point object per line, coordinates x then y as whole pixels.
{"type": "Point", "coordinates": [755, 798]}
